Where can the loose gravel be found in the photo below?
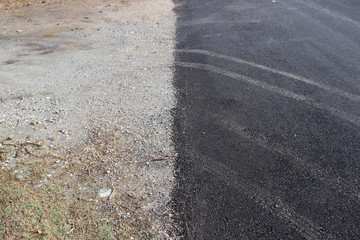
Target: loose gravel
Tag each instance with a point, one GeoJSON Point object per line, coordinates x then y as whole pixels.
{"type": "Point", "coordinates": [94, 80]}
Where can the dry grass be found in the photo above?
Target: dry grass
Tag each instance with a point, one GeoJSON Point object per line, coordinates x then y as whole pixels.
{"type": "Point", "coordinates": [46, 213]}
{"type": "Point", "coordinates": [29, 210]}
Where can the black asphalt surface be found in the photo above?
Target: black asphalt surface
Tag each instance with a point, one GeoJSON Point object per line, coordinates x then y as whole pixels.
{"type": "Point", "coordinates": [268, 119]}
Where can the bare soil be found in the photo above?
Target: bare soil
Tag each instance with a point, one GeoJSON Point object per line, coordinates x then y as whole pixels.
{"type": "Point", "coordinates": [20, 3]}
{"type": "Point", "coordinates": [90, 83]}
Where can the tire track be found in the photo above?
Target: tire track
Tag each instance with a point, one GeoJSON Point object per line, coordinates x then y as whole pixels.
{"type": "Point", "coordinates": [351, 96]}
{"type": "Point", "coordinates": [336, 183]}
{"type": "Point", "coordinates": [265, 199]}
{"type": "Point", "coordinates": [281, 91]}
{"type": "Point", "coordinates": [329, 12]}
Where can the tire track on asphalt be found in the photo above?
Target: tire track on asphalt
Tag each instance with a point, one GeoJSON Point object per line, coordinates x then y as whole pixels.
{"type": "Point", "coordinates": [335, 182]}
{"type": "Point", "coordinates": [265, 199]}
{"type": "Point", "coordinates": [351, 96]}
{"type": "Point", "coordinates": [328, 12]}
{"type": "Point", "coordinates": [281, 91]}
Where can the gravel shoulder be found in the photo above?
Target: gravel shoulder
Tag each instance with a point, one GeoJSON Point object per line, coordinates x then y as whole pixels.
{"type": "Point", "coordinates": [93, 80]}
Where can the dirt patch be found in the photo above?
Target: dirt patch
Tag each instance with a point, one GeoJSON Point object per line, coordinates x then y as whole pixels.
{"type": "Point", "coordinates": [20, 3]}
{"type": "Point", "coordinates": [90, 83]}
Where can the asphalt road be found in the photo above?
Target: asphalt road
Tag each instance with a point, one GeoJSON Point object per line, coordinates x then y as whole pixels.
{"type": "Point", "coordinates": [268, 119]}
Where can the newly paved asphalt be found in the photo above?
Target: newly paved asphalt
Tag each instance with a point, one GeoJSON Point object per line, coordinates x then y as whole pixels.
{"type": "Point", "coordinates": [268, 119]}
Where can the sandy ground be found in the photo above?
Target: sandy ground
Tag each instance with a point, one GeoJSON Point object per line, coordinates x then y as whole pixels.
{"type": "Point", "coordinates": [11, 4]}
{"type": "Point", "coordinates": [94, 79]}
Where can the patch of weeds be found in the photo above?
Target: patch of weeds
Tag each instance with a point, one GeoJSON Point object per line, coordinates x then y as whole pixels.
{"type": "Point", "coordinates": [29, 210]}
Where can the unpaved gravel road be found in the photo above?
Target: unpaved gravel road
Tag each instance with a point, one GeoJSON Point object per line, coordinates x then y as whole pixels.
{"type": "Point", "coordinates": [94, 79]}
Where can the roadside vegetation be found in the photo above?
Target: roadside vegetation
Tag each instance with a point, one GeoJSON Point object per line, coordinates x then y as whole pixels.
{"type": "Point", "coordinates": [36, 201]}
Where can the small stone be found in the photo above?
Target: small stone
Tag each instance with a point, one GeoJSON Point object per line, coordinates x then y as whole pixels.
{"type": "Point", "coordinates": [19, 31]}
{"type": "Point", "coordinates": [105, 192]}
{"type": "Point", "coordinates": [35, 122]}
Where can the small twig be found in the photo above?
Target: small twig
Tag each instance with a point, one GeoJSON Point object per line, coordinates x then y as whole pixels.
{"type": "Point", "coordinates": [70, 231]}
{"type": "Point", "coordinates": [112, 194]}
{"type": "Point", "coordinates": [23, 144]}
{"type": "Point", "coordinates": [31, 143]}
{"type": "Point", "coordinates": [9, 144]}
{"type": "Point", "coordinates": [42, 156]}
{"type": "Point", "coordinates": [130, 195]}
{"type": "Point", "coordinates": [160, 159]}
{"type": "Point", "coordinates": [124, 207]}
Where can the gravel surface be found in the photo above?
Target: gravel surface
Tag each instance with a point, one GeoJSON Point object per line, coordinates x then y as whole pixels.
{"type": "Point", "coordinates": [94, 79]}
